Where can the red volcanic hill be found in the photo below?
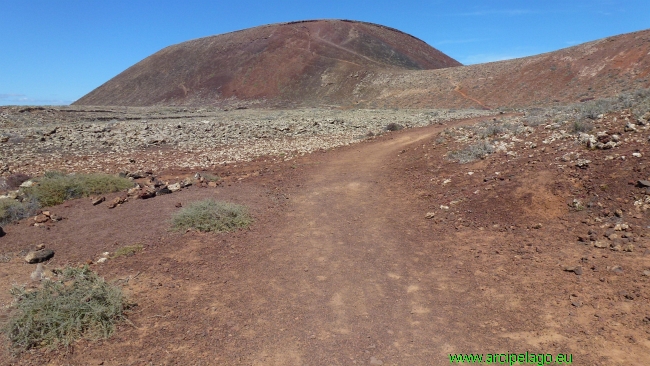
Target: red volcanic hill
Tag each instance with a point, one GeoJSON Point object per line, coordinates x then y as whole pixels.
{"type": "Point", "coordinates": [592, 70]}
{"type": "Point", "coordinates": [306, 62]}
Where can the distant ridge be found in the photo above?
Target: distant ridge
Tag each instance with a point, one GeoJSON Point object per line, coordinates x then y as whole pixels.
{"type": "Point", "coordinates": [304, 62]}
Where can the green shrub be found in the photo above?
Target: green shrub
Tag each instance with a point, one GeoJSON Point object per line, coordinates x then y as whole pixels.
{"type": "Point", "coordinates": [210, 215]}
{"type": "Point", "coordinates": [472, 152]}
{"type": "Point", "coordinates": [78, 304]}
{"type": "Point", "coordinates": [12, 210]}
{"type": "Point", "coordinates": [580, 126]}
{"type": "Point", "coordinates": [54, 187]}
{"type": "Point", "coordinates": [127, 251]}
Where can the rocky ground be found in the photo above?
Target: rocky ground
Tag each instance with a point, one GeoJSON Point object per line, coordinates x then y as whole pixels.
{"type": "Point", "coordinates": [521, 231]}
{"type": "Point", "coordinates": [36, 139]}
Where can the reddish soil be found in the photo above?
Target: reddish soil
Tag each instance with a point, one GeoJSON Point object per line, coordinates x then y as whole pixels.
{"type": "Point", "coordinates": [341, 266]}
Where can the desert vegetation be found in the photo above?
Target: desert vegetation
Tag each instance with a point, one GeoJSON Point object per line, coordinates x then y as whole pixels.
{"type": "Point", "coordinates": [77, 304]}
{"type": "Point", "coordinates": [56, 187]}
{"type": "Point", "coordinates": [211, 215]}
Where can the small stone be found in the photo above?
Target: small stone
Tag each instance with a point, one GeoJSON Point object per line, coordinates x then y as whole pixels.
{"type": "Point", "coordinates": [41, 218]}
{"type": "Point", "coordinates": [174, 187]}
{"type": "Point", "coordinates": [375, 361]}
{"type": "Point", "coordinates": [212, 184]}
{"type": "Point", "coordinates": [102, 260]}
{"type": "Point", "coordinates": [600, 244]}
{"type": "Point", "coordinates": [583, 163]}
{"type": "Point", "coordinates": [616, 269]}
{"type": "Point", "coordinates": [430, 215]}
{"type": "Point", "coordinates": [147, 193]}
{"type": "Point", "coordinates": [37, 275]}
{"type": "Point", "coordinates": [163, 190]}
{"type": "Point", "coordinates": [178, 205]}
{"type": "Point", "coordinates": [643, 183]}
{"type": "Point", "coordinates": [38, 256]}
{"type": "Point", "coordinates": [133, 191]}
{"type": "Point", "coordinates": [2, 232]}
{"type": "Point", "coordinates": [46, 213]}
{"type": "Point", "coordinates": [27, 184]}
{"type": "Point", "coordinates": [537, 226]}
{"type": "Point", "coordinates": [628, 248]}
{"type": "Point", "coordinates": [577, 270]}
{"type": "Point", "coordinates": [646, 273]}
{"type": "Point", "coordinates": [40, 246]}
{"type": "Point", "coordinates": [117, 201]}
{"type": "Point", "coordinates": [618, 213]}
{"type": "Point", "coordinates": [99, 200]}
{"type": "Point", "coordinates": [637, 155]}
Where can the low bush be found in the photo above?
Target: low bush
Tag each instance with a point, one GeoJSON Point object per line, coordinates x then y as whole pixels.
{"type": "Point", "coordinates": [78, 304]}
{"type": "Point", "coordinates": [581, 126]}
{"type": "Point", "coordinates": [54, 187]}
{"type": "Point", "coordinates": [127, 251]}
{"type": "Point", "coordinates": [12, 210]}
{"type": "Point", "coordinates": [210, 215]}
{"type": "Point", "coordinates": [472, 152]}
{"type": "Point", "coordinates": [394, 127]}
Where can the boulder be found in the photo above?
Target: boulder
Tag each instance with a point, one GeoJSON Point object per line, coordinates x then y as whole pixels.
{"type": "Point", "coordinates": [38, 256]}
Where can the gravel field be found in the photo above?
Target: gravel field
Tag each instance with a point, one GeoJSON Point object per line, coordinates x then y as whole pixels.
{"type": "Point", "coordinates": [111, 139]}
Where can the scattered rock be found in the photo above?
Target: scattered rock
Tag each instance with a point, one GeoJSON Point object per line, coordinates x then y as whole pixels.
{"type": "Point", "coordinates": [174, 187]}
{"type": "Point", "coordinates": [643, 183]}
{"type": "Point", "coordinates": [583, 163]}
{"type": "Point", "coordinates": [163, 190]}
{"type": "Point", "coordinates": [577, 270]}
{"type": "Point", "coordinates": [27, 184]}
{"type": "Point", "coordinates": [537, 226]}
{"type": "Point", "coordinates": [117, 201]}
{"type": "Point", "coordinates": [41, 218]}
{"type": "Point", "coordinates": [37, 275]}
{"type": "Point", "coordinates": [102, 260]}
{"type": "Point", "coordinates": [147, 193]}
{"type": "Point", "coordinates": [615, 269]}
{"type": "Point", "coordinates": [212, 184]}
{"type": "Point", "coordinates": [178, 205]}
{"type": "Point", "coordinates": [629, 127]}
{"type": "Point", "coordinates": [2, 232]}
{"type": "Point", "coordinates": [133, 191]}
{"type": "Point", "coordinates": [99, 200]}
{"type": "Point", "coordinates": [430, 215]}
{"type": "Point", "coordinates": [600, 244]}
{"type": "Point", "coordinates": [618, 213]}
{"type": "Point", "coordinates": [37, 256]}
{"type": "Point", "coordinates": [646, 273]}
{"type": "Point", "coordinates": [375, 361]}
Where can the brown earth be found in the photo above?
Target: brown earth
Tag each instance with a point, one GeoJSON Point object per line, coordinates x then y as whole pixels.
{"type": "Point", "coordinates": [307, 61]}
{"type": "Point", "coordinates": [354, 64]}
{"type": "Point", "coordinates": [342, 266]}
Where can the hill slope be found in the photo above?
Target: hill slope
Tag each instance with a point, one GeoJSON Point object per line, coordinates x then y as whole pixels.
{"type": "Point", "coordinates": [601, 68]}
{"type": "Point", "coordinates": [309, 61]}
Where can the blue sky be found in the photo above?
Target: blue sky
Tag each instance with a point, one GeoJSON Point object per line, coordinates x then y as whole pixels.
{"type": "Point", "coordinates": [55, 51]}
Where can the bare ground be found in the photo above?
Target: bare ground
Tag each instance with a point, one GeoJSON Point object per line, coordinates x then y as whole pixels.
{"type": "Point", "coordinates": [341, 266]}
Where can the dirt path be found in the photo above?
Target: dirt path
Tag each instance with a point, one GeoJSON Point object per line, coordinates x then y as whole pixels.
{"type": "Point", "coordinates": [349, 280]}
